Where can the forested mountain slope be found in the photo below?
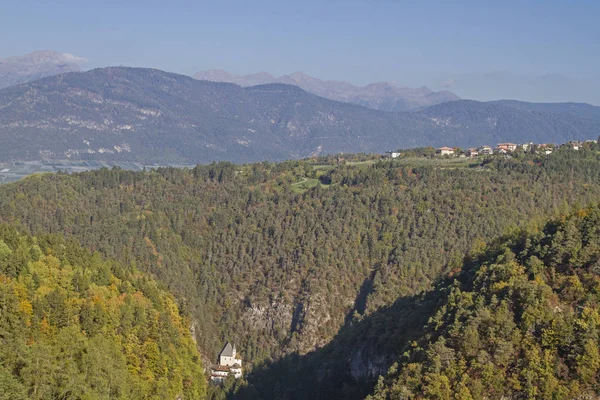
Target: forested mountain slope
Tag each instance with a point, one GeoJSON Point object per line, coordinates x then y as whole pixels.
{"type": "Point", "coordinates": [520, 320]}
{"type": "Point", "coordinates": [75, 326]}
{"type": "Point", "coordinates": [491, 123]}
{"type": "Point", "coordinates": [405, 332]}
{"type": "Point", "coordinates": [151, 116]}
{"type": "Point", "coordinates": [277, 271]}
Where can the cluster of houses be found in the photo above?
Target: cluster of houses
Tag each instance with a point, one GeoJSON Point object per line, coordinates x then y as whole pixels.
{"type": "Point", "coordinates": [501, 148]}
{"type": "Point", "coordinates": [229, 365]}
{"type": "Point", "coordinates": [505, 148]}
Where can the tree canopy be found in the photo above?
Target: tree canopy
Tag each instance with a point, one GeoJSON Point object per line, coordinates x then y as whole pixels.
{"type": "Point", "coordinates": [305, 257]}
{"type": "Point", "coordinates": [76, 326]}
{"type": "Point", "coordinates": [521, 320]}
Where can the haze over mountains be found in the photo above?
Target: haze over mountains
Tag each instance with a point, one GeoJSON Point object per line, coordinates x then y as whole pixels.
{"type": "Point", "coordinates": [583, 110]}
{"type": "Point", "coordinates": [384, 96]}
{"type": "Point", "coordinates": [36, 65]}
{"type": "Point", "coordinates": [533, 87]}
{"type": "Point", "coordinates": [148, 115]}
{"type": "Point", "coordinates": [145, 115]}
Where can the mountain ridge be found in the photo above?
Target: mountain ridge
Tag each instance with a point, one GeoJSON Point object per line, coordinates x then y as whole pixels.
{"type": "Point", "coordinates": [581, 109]}
{"type": "Point", "coordinates": [385, 96]}
{"type": "Point", "coordinates": [36, 65]}
{"type": "Point", "coordinates": [148, 115]}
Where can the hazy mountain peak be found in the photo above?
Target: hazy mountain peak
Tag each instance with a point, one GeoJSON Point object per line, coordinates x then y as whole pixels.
{"type": "Point", "coordinates": [383, 85]}
{"type": "Point", "coordinates": [218, 75]}
{"type": "Point", "coordinates": [301, 76]}
{"type": "Point", "coordinates": [262, 74]}
{"type": "Point", "coordinates": [386, 96]}
{"type": "Point", "coordinates": [43, 56]}
{"type": "Point", "coordinates": [215, 75]}
{"type": "Point", "coordinates": [35, 65]}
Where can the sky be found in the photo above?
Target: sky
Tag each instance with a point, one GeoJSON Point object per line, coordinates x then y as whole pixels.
{"type": "Point", "coordinates": [528, 50]}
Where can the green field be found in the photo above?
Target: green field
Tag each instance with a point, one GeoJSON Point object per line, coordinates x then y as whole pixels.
{"type": "Point", "coordinates": [304, 185]}
{"type": "Point", "coordinates": [437, 162]}
{"type": "Point", "coordinates": [361, 163]}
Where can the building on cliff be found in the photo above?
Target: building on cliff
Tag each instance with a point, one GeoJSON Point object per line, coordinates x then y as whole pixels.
{"type": "Point", "coordinates": [229, 364]}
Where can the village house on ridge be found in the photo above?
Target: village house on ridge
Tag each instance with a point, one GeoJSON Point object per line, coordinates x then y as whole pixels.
{"type": "Point", "coordinates": [507, 146]}
{"type": "Point", "coordinates": [472, 152]}
{"type": "Point", "coordinates": [445, 151]}
{"type": "Point", "coordinates": [485, 149]}
{"type": "Point", "coordinates": [392, 154]}
{"type": "Point", "coordinates": [507, 149]}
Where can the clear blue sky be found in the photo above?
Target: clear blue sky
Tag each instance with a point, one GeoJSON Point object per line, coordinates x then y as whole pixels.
{"type": "Point", "coordinates": [413, 43]}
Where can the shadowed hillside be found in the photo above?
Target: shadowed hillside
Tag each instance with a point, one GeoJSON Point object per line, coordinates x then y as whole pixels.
{"type": "Point", "coordinates": [519, 320]}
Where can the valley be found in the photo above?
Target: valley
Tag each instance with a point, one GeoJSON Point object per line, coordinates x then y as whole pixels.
{"type": "Point", "coordinates": [413, 214]}
{"type": "Point", "coordinates": [301, 262]}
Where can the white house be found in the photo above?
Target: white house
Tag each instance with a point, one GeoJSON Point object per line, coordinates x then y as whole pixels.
{"type": "Point", "coordinates": [527, 146]}
{"type": "Point", "coordinates": [393, 153]}
{"type": "Point", "coordinates": [485, 149]}
{"type": "Point", "coordinates": [236, 370]}
{"type": "Point", "coordinates": [445, 151]}
{"type": "Point", "coordinates": [219, 374]}
{"type": "Point", "coordinates": [545, 148]}
{"type": "Point", "coordinates": [575, 144]}
{"type": "Point", "coordinates": [472, 152]}
{"type": "Point", "coordinates": [507, 146]}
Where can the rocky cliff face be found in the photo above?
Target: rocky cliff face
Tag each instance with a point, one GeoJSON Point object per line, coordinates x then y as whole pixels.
{"type": "Point", "coordinates": [366, 365]}
{"type": "Point", "coordinates": [302, 325]}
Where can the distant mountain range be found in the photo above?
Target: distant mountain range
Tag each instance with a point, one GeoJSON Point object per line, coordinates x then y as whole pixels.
{"type": "Point", "coordinates": [383, 96]}
{"type": "Point", "coordinates": [146, 115]}
{"type": "Point", "coordinates": [583, 110]}
{"type": "Point", "coordinates": [551, 87]}
{"type": "Point", "coordinates": [36, 65]}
